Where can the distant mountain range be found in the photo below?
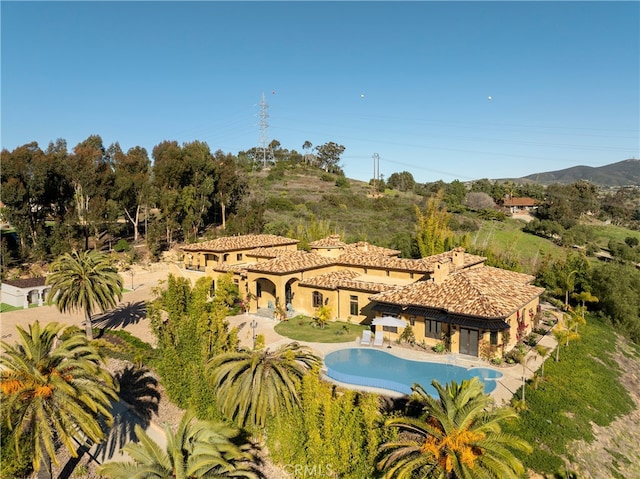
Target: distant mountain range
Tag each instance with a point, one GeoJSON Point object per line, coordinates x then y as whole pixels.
{"type": "Point", "coordinates": [622, 173]}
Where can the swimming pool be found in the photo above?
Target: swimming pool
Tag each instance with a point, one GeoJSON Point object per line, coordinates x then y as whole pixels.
{"type": "Point", "coordinates": [375, 368]}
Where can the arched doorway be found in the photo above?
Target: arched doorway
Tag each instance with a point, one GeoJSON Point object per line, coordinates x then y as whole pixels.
{"type": "Point", "coordinates": [265, 293]}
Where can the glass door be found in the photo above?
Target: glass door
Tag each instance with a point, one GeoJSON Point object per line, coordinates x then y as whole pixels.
{"type": "Point", "coordinates": [469, 341]}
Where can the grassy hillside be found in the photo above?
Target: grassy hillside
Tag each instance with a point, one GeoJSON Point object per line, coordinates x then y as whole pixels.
{"type": "Point", "coordinates": [622, 173]}
{"type": "Point", "coordinates": [299, 196]}
{"type": "Point", "coordinates": [588, 390]}
{"type": "Point", "coordinates": [507, 238]}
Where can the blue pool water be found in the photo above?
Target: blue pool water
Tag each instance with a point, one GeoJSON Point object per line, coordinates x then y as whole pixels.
{"type": "Point", "coordinates": [376, 368]}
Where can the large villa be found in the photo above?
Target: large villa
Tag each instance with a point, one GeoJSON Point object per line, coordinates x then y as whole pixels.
{"type": "Point", "coordinates": [451, 297]}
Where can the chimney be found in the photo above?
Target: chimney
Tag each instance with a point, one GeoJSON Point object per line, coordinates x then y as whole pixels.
{"type": "Point", "coordinates": [441, 270]}
{"type": "Point", "coordinates": [458, 258]}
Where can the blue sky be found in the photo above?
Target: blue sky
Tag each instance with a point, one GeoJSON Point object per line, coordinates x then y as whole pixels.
{"type": "Point", "coordinates": [455, 90]}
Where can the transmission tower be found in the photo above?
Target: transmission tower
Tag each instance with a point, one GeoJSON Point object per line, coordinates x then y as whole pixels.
{"type": "Point", "coordinates": [264, 125]}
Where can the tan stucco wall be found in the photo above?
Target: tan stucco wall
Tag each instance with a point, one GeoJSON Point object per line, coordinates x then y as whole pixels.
{"type": "Point", "coordinates": [303, 303]}
{"type": "Point", "coordinates": [344, 306]}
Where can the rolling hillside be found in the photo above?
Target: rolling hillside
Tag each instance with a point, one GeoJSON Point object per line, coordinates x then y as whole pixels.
{"type": "Point", "coordinates": [622, 173]}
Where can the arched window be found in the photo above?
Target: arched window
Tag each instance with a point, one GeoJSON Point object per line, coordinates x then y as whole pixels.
{"type": "Point", "coordinates": [317, 299]}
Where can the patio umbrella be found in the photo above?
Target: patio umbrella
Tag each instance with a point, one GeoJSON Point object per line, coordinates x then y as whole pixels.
{"type": "Point", "coordinates": [389, 321]}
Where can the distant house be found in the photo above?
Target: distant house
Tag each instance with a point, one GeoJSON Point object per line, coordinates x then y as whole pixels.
{"type": "Point", "coordinates": [517, 205]}
{"type": "Point", "coordinates": [451, 296]}
{"type": "Point", "coordinates": [22, 293]}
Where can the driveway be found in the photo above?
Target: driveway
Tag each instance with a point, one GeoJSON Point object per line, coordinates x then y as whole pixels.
{"type": "Point", "coordinates": [130, 314]}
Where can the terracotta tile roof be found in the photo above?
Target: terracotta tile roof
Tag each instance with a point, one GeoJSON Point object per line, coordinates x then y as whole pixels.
{"type": "Point", "coordinates": [347, 279]}
{"type": "Point", "coordinates": [363, 260]}
{"type": "Point", "coordinates": [467, 258]}
{"type": "Point", "coordinates": [331, 241]}
{"type": "Point", "coordinates": [267, 252]}
{"type": "Point", "coordinates": [421, 266]}
{"type": "Point", "coordinates": [236, 268]}
{"type": "Point", "coordinates": [485, 292]}
{"type": "Point", "coordinates": [520, 202]}
{"type": "Point", "coordinates": [334, 241]}
{"type": "Point", "coordinates": [235, 243]}
{"type": "Point", "coordinates": [290, 262]}
{"type": "Point", "coordinates": [364, 247]}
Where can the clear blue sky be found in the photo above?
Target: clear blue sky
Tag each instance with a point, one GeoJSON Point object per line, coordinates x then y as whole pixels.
{"type": "Point", "coordinates": [462, 90]}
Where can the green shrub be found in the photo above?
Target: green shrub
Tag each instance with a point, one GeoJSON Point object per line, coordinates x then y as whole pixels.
{"type": "Point", "coordinates": [408, 335]}
{"type": "Point", "coordinates": [280, 204]}
{"type": "Point", "coordinates": [122, 246]}
{"type": "Point", "coordinates": [342, 182]}
{"type": "Point", "coordinates": [81, 470]}
{"type": "Point", "coordinates": [531, 340]}
{"type": "Point", "coordinates": [13, 464]}
{"type": "Point", "coordinates": [335, 430]}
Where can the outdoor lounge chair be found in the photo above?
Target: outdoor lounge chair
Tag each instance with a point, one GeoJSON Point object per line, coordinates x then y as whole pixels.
{"type": "Point", "coordinates": [378, 338]}
{"type": "Point", "coordinates": [366, 338]}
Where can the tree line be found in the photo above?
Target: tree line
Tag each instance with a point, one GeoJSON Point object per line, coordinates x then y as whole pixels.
{"type": "Point", "coordinates": [58, 198]}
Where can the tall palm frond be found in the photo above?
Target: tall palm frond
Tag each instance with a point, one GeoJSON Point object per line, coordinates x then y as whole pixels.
{"type": "Point", "coordinates": [254, 384]}
{"type": "Point", "coordinates": [84, 281]}
{"type": "Point", "coordinates": [53, 388]}
{"type": "Point", "coordinates": [198, 449]}
{"type": "Point", "coordinates": [459, 437]}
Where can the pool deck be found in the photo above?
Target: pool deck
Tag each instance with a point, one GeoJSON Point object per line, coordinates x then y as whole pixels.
{"type": "Point", "coordinates": [504, 391]}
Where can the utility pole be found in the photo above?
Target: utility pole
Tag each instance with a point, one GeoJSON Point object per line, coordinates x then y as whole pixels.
{"type": "Point", "coordinates": [264, 125]}
{"type": "Point", "coordinates": [376, 172]}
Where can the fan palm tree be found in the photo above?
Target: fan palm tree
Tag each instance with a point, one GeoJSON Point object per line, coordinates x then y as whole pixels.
{"type": "Point", "coordinates": [199, 449]}
{"type": "Point", "coordinates": [54, 390]}
{"type": "Point", "coordinates": [460, 437]}
{"type": "Point", "coordinates": [253, 384]}
{"type": "Point", "coordinates": [84, 281]}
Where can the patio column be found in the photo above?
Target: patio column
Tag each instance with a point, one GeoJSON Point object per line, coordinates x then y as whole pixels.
{"type": "Point", "coordinates": [455, 338]}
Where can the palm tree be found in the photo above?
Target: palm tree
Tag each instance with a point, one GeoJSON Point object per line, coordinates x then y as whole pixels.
{"type": "Point", "coordinates": [253, 384]}
{"type": "Point", "coordinates": [584, 297]}
{"type": "Point", "coordinates": [53, 389]}
{"type": "Point", "coordinates": [199, 449]}
{"type": "Point", "coordinates": [83, 281]}
{"type": "Point", "coordinates": [567, 283]}
{"type": "Point", "coordinates": [459, 437]}
{"type": "Point", "coordinates": [567, 330]}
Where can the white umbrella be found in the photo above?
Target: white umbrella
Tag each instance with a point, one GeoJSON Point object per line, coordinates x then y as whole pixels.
{"type": "Point", "coordinates": [389, 321]}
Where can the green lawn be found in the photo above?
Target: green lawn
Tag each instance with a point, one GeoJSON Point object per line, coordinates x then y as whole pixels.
{"type": "Point", "coordinates": [301, 328]}
{"type": "Point", "coordinates": [5, 308]}
{"type": "Point", "coordinates": [603, 233]}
